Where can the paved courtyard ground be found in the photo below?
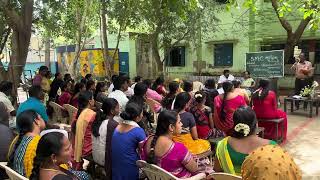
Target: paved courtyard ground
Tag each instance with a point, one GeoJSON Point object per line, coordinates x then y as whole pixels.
{"type": "Point", "coordinates": [304, 144]}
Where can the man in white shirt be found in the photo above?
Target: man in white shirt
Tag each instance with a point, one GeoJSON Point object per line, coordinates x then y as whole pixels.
{"type": "Point", "coordinates": [120, 86]}
{"type": "Point", "coordinates": [223, 78]}
{"type": "Point", "coordinates": [113, 78]}
{"type": "Point", "coordinates": [129, 92]}
{"type": "Point", "coordinates": [5, 92]}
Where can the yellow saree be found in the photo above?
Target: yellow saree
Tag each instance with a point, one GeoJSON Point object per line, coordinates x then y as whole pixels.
{"type": "Point", "coordinates": [224, 157]}
{"type": "Point", "coordinates": [29, 154]}
{"type": "Point", "coordinates": [194, 146]}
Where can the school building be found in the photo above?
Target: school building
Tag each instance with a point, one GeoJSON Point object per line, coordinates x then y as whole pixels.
{"type": "Point", "coordinates": [238, 32]}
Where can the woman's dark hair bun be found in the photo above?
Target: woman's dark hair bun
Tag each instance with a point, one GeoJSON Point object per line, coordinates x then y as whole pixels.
{"type": "Point", "coordinates": [199, 96]}
{"type": "Point", "coordinates": [132, 111]}
{"type": "Point", "coordinates": [125, 116]}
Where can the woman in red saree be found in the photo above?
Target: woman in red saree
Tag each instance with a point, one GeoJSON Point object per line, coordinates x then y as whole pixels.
{"type": "Point", "coordinates": [224, 107]}
{"type": "Point", "coordinates": [264, 103]}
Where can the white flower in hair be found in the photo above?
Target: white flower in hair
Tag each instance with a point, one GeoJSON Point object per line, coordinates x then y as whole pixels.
{"type": "Point", "coordinates": [242, 127]}
{"type": "Point", "coordinates": [198, 95]}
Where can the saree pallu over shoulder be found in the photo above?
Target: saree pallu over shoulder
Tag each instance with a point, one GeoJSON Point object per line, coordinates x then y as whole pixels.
{"type": "Point", "coordinates": [224, 158]}
{"type": "Point", "coordinates": [10, 151]}
{"type": "Point", "coordinates": [194, 146]}
{"type": "Point", "coordinates": [86, 117]}
{"type": "Point", "coordinates": [30, 154]}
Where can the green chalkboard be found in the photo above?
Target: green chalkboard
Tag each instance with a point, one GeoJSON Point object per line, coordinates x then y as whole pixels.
{"type": "Point", "coordinates": [268, 64]}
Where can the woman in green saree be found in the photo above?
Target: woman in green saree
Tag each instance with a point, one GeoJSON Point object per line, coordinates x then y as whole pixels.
{"type": "Point", "coordinates": [232, 150]}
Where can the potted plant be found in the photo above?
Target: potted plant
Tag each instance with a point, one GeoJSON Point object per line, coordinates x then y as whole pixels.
{"type": "Point", "coordinates": [309, 91]}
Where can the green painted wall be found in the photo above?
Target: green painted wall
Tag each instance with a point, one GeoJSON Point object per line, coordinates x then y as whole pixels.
{"type": "Point", "coordinates": [247, 30]}
{"type": "Point", "coordinates": [227, 31]}
{"type": "Point", "coordinates": [112, 42]}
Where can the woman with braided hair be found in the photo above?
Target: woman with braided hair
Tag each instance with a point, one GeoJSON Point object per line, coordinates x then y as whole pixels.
{"type": "Point", "coordinates": [81, 129]}
{"type": "Point", "coordinates": [224, 107]}
{"type": "Point", "coordinates": [23, 147]}
{"type": "Point", "coordinates": [53, 152]}
{"type": "Point", "coordinates": [161, 150]}
{"type": "Point", "coordinates": [102, 130]}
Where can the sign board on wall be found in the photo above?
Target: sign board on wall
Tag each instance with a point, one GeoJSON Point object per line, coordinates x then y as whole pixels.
{"type": "Point", "coordinates": [266, 64]}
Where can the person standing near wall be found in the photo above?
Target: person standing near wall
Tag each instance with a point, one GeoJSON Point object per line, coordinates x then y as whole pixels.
{"type": "Point", "coordinates": [304, 73]}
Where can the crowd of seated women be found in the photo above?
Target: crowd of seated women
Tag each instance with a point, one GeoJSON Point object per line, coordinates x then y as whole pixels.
{"type": "Point", "coordinates": [123, 131]}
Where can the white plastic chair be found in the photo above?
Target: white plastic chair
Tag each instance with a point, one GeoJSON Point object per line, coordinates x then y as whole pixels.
{"type": "Point", "coordinates": [224, 176]}
{"type": "Point", "coordinates": [57, 113]}
{"type": "Point", "coordinates": [11, 173]}
{"type": "Point", "coordinates": [154, 172]}
{"type": "Point", "coordinates": [71, 111]}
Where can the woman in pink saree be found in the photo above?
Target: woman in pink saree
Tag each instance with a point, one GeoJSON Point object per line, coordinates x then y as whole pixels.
{"type": "Point", "coordinates": [161, 150]}
{"type": "Point", "coordinates": [224, 107]}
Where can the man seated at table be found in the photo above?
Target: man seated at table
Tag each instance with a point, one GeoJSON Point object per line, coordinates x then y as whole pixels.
{"type": "Point", "coordinates": [226, 76]}
{"type": "Point", "coordinates": [248, 83]}
{"type": "Point", "coordinates": [223, 78]}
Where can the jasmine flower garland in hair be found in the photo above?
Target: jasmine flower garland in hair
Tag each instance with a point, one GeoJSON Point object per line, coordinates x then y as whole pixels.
{"type": "Point", "coordinates": [242, 128]}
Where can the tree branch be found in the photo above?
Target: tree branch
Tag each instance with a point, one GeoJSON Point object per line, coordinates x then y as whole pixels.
{"type": "Point", "coordinates": [118, 41]}
{"type": "Point", "coordinates": [12, 17]}
{"type": "Point", "coordinates": [28, 12]}
{"type": "Point", "coordinates": [302, 26]}
{"type": "Point", "coordinates": [285, 24]}
{"type": "Point", "coordinates": [175, 44]}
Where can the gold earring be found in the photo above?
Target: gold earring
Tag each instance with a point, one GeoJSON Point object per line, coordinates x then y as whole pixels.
{"type": "Point", "coordinates": [54, 161]}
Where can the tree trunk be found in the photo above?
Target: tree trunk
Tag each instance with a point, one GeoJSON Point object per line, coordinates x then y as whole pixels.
{"type": "Point", "coordinates": [155, 52]}
{"type": "Point", "coordinates": [118, 42]}
{"type": "Point", "coordinates": [4, 37]}
{"type": "Point", "coordinates": [292, 37]}
{"type": "Point", "coordinates": [108, 61]}
{"type": "Point", "coordinates": [21, 24]}
{"type": "Point", "coordinates": [47, 52]}
{"type": "Point", "coordinates": [82, 31]}
{"type": "Point", "coordinates": [289, 47]}
{"type": "Point", "coordinates": [20, 46]}
{"type": "Point", "coordinates": [288, 51]}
